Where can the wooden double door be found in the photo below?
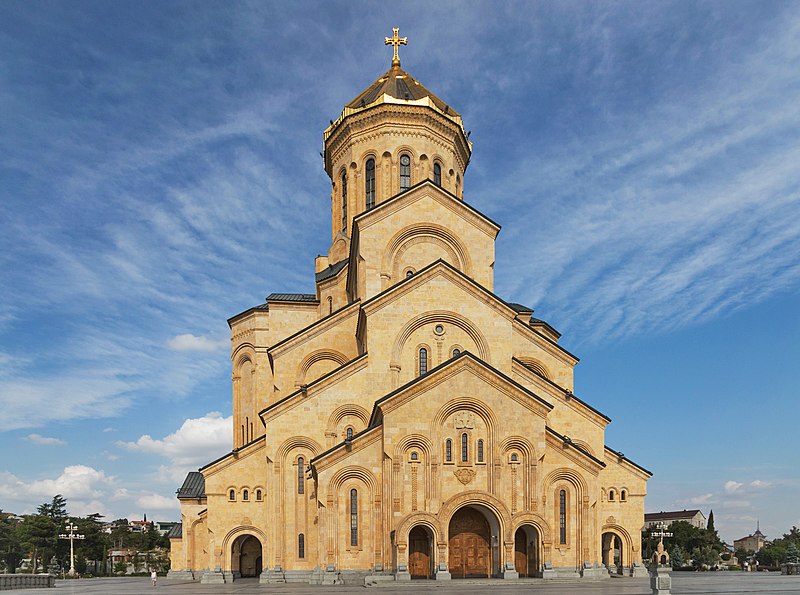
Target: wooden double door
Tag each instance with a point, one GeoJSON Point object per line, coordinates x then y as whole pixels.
{"type": "Point", "coordinates": [470, 553]}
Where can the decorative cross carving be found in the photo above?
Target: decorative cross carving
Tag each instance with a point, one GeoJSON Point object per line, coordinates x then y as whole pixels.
{"type": "Point", "coordinates": [396, 41]}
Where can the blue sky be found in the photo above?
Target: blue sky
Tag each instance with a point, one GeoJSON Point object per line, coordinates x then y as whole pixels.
{"type": "Point", "coordinates": [160, 172]}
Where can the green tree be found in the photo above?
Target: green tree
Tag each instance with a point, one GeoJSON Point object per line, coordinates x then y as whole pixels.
{"type": "Point", "coordinates": [11, 549]}
{"type": "Point", "coordinates": [710, 524]}
{"type": "Point", "coordinates": [792, 553]}
{"type": "Point", "coordinates": [677, 556]}
{"type": "Point", "coordinates": [55, 509]}
{"type": "Point", "coordinates": [705, 556]}
{"type": "Point", "coordinates": [39, 534]}
{"type": "Point", "coordinates": [773, 554]}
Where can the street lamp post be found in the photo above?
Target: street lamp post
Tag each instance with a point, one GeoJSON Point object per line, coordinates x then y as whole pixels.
{"type": "Point", "coordinates": [71, 536]}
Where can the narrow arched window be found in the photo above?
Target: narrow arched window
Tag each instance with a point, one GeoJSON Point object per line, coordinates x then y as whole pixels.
{"type": "Point", "coordinates": [423, 361]}
{"type": "Point", "coordinates": [480, 451]}
{"type": "Point", "coordinates": [437, 174]}
{"type": "Point", "coordinates": [301, 546]}
{"type": "Point", "coordinates": [245, 495]}
{"type": "Point", "coordinates": [611, 495]}
{"type": "Point", "coordinates": [514, 458]}
{"type": "Point", "coordinates": [448, 450]}
{"type": "Point", "coordinates": [349, 433]}
{"type": "Point", "coordinates": [623, 495]}
{"type": "Point", "coordinates": [232, 495]}
{"type": "Point", "coordinates": [405, 172]}
{"type": "Point", "coordinates": [464, 447]}
{"type": "Point", "coordinates": [353, 517]}
{"type": "Point", "coordinates": [301, 476]}
{"type": "Point", "coordinates": [258, 495]}
{"type": "Point", "coordinates": [562, 517]}
{"type": "Point", "coordinates": [414, 456]}
{"type": "Point", "coordinates": [370, 183]}
{"type": "Point", "coordinates": [344, 201]}
{"type": "Point", "coordinates": [409, 274]}
{"type": "Point", "coordinates": [456, 351]}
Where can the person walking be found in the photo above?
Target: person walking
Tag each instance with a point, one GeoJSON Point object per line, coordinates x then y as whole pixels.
{"type": "Point", "coordinates": [154, 577]}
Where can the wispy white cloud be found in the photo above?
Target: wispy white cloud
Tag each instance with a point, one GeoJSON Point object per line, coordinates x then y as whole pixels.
{"type": "Point", "coordinates": [43, 440]}
{"type": "Point", "coordinates": [189, 342]}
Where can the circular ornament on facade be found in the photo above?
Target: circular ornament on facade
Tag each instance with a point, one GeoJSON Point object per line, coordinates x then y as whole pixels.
{"type": "Point", "coordinates": [438, 329]}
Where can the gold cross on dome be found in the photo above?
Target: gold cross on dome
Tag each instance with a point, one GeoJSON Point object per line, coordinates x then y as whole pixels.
{"type": "Point", "coordinates": [396, 41]}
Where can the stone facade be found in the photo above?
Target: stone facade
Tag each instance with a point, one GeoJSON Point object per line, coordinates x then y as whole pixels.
{"type": "Point", "coordinates": [404, 420]}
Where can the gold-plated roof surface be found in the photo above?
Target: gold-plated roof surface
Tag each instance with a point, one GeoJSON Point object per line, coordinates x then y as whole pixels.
{"type": "Point", "coordinates": [397, 83]}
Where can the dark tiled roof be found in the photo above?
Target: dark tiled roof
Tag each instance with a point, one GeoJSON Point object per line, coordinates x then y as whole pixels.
{"type": "Point", "coordinates": [194, 486]}
{"type": "Point", "coordinates": [176, 531]}
{"type": "Point", "coordinates": [668, 516]}
{"type": "Point", "coordinates": [264, 307]}
{"type": "Point", "coordinates": [540, 322]}
{"type": "Point", "coordinates": [291, 297]}
{"type": "Point", "coordinates": [331, 271]}
{"type": "Point", "coordinates": [397, 83]}
{"type": "Point", "coordinates": [519, 307]}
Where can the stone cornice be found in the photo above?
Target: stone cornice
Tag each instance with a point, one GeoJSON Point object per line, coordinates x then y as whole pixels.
{"type": "Point", "coordinates": [343, 450]}
{"type": "Point", "coordinates": [624, 461]}
{"type": "Point", "coordinates": [551, 389]}
{"type": "Point", "coordinates": [234, 456]}
{"type": "Point", "coordinates": [545, 343]}
{"type": "Point", "coordinates": [313, 330]}
{"type": "Point", "coordinates": [427, 189]}
{"type": "Point", "coordinates": [573, 452]}
{"type": "Point", "coordinates": [311, 390]}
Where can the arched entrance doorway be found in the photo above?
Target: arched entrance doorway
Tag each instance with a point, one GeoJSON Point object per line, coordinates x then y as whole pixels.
{"type": "Point", "coordinates": [419, 552]}
{"type": "Point", "coordinates": [471, 543]}
{"type": "Point", "coordinates": [526, 551]}
{"type": "Point", "coordinates": [246, 556]}
{"type": "Point", "coordinates": [612, 553]}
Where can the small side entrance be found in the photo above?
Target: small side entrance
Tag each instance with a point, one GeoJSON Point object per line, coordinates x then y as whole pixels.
{"type": "Point", "coordinates": [246, 556]}
{"type": "Point", "coordinates": [419, 553]}
{"type": "Point", "coordinates": [526, 551]}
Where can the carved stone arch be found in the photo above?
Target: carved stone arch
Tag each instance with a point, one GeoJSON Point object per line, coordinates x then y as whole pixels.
{"type": "Point", "coordinates": [424, 232]}
{"type": "Point", "coordinates": [353, 472]}
{"type": "Point", "coordinates": [518, 443]}
{"type": "Point", "coordinates": [568, 476]}
{"type": "Point", "coordinates": [314, 357]}
{"type": "Point", "coordinates": [471, 404]}
{"type": "Point", "coordinates": [484, 499]}
{"type": "Point", "coordinates": [298, 442]}
{"type": "Point", "coordinates": [414, 519]}
{"type": "Point", "coordinates": [532, 518]}
{"type": "Point", "coordinates": [349, 409]}
{"type": "Point", "coordinates": [413, 441]}
{"type": "Point", "coordinates": [445, 316]}
{"type": "Point", "coordinates": [535, 366]}
{"type": "Point", "coordinates": [236, 532]}
{"type": "Point", "coordinates": [408, 149]}
{"type": "Point", "coordinates": [244, 352]}
{"type": "Point", "coordinates": [626, 549]}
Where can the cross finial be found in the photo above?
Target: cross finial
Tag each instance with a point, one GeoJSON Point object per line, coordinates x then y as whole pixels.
{"type": "Point", "coordinates": [396, 41]}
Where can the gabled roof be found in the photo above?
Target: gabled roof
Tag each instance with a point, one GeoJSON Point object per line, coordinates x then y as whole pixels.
{"type": "Point", "coordinates": [452, 362]}
{"type": "Point", "coordinates": [292, 297]}
{"type": "Point", "coordinates": [568, 440]}
{"type": "Point", "coordinates": [624, 458]}
{"type": "Point", "coordinates": [520, 308]}
{"type": "Point", "coordinates": [235, 451]}
{"type": "Point", "coordinates": [176, 531]}
{"type": "Point", "coordinates": [261, 307]}
{"type": "Point", "coordinates": [382, 205]}
{"type": "Point", "coordinates": [331, 271]}
{"type": "Point", "coordinates": [671, 515]}
{"type": "Point", "coordinates": [194, 486]}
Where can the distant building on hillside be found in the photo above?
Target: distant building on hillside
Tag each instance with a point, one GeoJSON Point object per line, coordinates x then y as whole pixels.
{"type": "Point", "coordinates": [752, 542]}
{"type": "Point", "coordinates": [693, 517]}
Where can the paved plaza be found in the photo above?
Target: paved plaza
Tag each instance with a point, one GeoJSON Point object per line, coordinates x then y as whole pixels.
{"type": "Point", "coordinates": [723, 583]}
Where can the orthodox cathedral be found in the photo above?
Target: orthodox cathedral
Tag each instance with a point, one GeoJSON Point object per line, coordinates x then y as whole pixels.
{"type": "Point", "coordinates": [404, 421]}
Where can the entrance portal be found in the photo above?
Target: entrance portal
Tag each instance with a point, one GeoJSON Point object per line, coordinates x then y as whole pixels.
{"type": "Point", "coordinates": [419, 553]}
{"type": "Point", "coordinates": [526, 551]}
{"type": "Point", "coordinates": [612, 553]}
{"type": "Point", "coordinates": [246, 556]}
{"type": "Point", "coordinates": [470, 538]}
